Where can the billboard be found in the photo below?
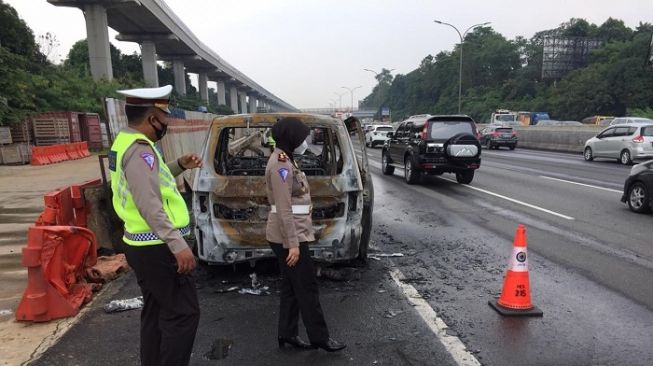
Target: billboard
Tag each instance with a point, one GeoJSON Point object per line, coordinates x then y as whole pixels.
{"type": "Point", "coordinates": [563, 54]}
{"type": "Point", "coordinates": [385, 111]}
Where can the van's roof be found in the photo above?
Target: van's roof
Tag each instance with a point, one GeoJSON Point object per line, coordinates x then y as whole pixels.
{"type": "Point", "coordinates": [267, 119]}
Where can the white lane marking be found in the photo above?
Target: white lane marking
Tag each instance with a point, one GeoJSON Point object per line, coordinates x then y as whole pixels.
{"type": "Point", "coordinates": [374, 164]}
{"type": "Point", "coordinates": [581, 184]}
{"type": "Point", "coordinates": [512, 200]}
{"type": "Point", "coordinates": [452, 344]}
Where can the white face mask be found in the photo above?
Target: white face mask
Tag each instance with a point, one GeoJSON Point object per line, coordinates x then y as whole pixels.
{"type": "Point", "coordinates": [301, 149]}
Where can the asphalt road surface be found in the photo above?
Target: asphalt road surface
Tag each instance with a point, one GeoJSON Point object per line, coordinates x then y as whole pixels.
{"type": "Point", "coordinates": [590, 261]}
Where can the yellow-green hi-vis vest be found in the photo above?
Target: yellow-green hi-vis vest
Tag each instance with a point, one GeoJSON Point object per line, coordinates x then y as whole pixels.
{"type": "Point", "coordinates": [137, 231]}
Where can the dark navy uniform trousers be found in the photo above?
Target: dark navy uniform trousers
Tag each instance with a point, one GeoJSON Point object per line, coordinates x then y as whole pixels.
{"type": "Point", "coordinates": [171, 312]}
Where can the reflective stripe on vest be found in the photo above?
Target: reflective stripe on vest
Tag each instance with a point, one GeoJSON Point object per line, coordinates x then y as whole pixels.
{"type": "Point", "coordinates": [143, 237]}
{"type": "Point", "coordinates": [137, 230]}
{"type": "Point", "coordinates": [296, 209]}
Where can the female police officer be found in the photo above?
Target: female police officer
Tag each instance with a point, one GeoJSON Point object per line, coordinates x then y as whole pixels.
{"type": "Point", "coordinates": [289, 230]}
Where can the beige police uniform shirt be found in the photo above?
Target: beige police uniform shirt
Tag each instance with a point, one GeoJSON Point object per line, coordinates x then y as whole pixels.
{"type": "Point", "coordinates": [287, 186]}
{"type": "Point", "coordinates": [145, 188]}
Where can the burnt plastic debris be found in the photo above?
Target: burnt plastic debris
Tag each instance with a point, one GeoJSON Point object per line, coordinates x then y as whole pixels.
{"type": "Point", "coordinates": [256, 288]}
{"type": "Point", "coordinates": [123, 305]}
{"type": "Point", "coordinates": [337, 274]}
{"type": "Point", "coordinates": [378, 256]}
{"type": "Point", "coordinates": [219, 349]}
{"type": "Point", "coordinates": [227, 289]}
{"type": "Point", "coordinates": [5, 312]}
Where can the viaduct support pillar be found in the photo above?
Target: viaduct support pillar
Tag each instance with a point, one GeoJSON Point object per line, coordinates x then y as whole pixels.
{"type": "Point", "coordinates": [180, 76]}
{"type": "Point", "coordinates": [222, 100]}
{"type": "Point", "coordinates": [97, 34]}
{"type": "Point", "coordinates": [150, 73]}
{"type": "Point", "coordinates": [233, 95]}
{"type": "Point", "coordinates": [252, 104]}
{"type": "Point", "coordinates": [243, 102]}
{"type": "Point", "coordinates": [203, 82]}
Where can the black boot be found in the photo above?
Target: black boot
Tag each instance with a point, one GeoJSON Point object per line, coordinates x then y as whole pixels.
{"type": "Point", "coordinates": [330, 345]}
{"type": "Point", "coordinates": [295, 342]}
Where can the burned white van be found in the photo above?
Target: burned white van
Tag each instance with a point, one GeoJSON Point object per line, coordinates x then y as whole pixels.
{"type": "Point", "coordinates": [230, 205]}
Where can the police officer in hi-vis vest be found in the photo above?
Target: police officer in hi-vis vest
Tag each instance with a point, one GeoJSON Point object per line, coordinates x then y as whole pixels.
{"type": "Point", "coordinates": [146, 198]}
{"type": "Point", "coordinates": [289, 231]}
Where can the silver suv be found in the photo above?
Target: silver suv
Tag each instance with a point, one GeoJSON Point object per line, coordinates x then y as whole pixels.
{"type": "Point", "coordinates": [625, 142]}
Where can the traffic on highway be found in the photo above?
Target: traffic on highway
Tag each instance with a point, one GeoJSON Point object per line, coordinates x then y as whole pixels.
{"type": "Point", "coordinates": [188, 182]}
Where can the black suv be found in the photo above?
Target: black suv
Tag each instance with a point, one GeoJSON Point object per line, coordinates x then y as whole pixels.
{"type": "Point", "coordinates": [433, 145]}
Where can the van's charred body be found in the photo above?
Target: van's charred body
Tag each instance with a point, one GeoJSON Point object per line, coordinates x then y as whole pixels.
{"type": "Point", "coordinates": [230, 204]}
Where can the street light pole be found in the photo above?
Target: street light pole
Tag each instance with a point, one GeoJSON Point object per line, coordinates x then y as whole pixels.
{"type": "Point", "coordinates": [351, 91]}
{"type": "Point", "coordinates": [460, 67]}
{"type": "Point", "coordinates": [376, 76]}
{"type": "Point", "coordinates": [339, 99]}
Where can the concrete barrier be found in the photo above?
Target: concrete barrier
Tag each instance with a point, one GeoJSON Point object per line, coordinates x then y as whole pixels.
{"type": "Point", "coordinates": [556, 138]}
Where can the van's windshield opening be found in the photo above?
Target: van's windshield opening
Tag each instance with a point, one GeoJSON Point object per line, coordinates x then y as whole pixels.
{"type": "Point", "coordinates": [245, 152]}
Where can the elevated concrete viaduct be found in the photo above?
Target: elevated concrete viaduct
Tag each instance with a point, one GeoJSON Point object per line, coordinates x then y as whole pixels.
{"type": "Point", "coordinates": [164, 37]}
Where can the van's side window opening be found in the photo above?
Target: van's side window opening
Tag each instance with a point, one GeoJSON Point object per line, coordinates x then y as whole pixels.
{"type": "Point", "coordinates": [244, 152]}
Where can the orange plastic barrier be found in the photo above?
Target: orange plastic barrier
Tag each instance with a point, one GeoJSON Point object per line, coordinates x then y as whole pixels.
{"type": "Point", "coordinates": [81, 207]}
{"type": "Point", "coordinates": [58, 208]}
{"type": "Point", "coordinates": [516, 294]}
{"type": "Point", "coordinates": [57, 260]}
{"type": "Point", "coordinates": [42, 155]}
{"type": "Point", "coordinates": [83, 148]}
{"type": "Point", "coordinates": [71, 151]}
{"type": "Point", "coordinates": [39, 156]}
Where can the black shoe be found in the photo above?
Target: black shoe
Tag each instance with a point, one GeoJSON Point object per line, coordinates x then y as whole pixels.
{"type": "Point", "coordinates": [330, 345]}
{"type": "Point", "coordinates": [295, 342]}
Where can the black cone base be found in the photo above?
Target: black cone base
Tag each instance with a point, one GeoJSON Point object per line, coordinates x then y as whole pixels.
{"type": "Point", "coordinates": [535, 311]}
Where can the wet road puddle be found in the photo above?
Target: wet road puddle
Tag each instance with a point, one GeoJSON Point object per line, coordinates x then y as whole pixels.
{"type": "Point", "coordinates": [219, 349]}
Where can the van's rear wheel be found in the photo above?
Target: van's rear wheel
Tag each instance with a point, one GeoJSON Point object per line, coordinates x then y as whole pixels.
{"type": "Point", "coordinates": [366, 234]}
{"type": "Point", "coordinates": [465, 177]}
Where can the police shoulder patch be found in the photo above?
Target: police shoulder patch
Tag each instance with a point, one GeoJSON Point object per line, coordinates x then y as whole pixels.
{"type": "Point", "coordinates": [149, 159]}
{"type": "Point", "coordinates": [283, 173]}
{"type": "Point", "coordinates": [282, 157]}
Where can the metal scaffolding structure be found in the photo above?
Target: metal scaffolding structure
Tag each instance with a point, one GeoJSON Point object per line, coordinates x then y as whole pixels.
{"type": "Point", "coordinates": [563, 54]}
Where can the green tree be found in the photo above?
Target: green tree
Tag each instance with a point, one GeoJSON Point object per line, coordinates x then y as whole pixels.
{"type": "Point", "coordinates": [15, 35]}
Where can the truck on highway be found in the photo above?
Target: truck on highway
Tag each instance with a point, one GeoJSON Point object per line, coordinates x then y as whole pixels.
{"type": "Point", "coordinates": [507, 117]}
{"type": "Point", "coordinates": [531, 118]}
{"type": "Point", "coordinates": [503, 116]}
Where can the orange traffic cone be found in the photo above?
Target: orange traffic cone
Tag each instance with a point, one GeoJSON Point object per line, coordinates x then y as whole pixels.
{"type": "Point", "coordinates": [516, 294]}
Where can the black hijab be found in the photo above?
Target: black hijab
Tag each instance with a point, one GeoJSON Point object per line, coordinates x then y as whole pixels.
{"type": "Point", "coordinates": [289, 133]}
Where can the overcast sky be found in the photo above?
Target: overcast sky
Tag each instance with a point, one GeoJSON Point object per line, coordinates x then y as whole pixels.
{"type": "Point", "coordinates": [304, 51]}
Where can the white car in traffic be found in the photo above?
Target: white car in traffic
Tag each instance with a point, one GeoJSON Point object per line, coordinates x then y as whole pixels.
{"type": "Point", "coordinates": [377, 135]}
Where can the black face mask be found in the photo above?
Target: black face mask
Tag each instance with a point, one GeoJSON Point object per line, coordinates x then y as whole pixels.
{"type": "Point", "coordinates": [160, 132]}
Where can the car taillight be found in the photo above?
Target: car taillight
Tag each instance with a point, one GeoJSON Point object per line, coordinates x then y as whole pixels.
{"type": "Point", "coordinates": [496, 134]}
{"type": "Point", "coordinates": [639, 139]}
{"type": "Point", "coordinates": [514, 134]}
{"type": "Point", "coordinates": [425, 132]}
